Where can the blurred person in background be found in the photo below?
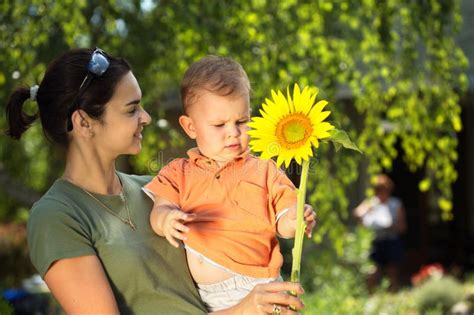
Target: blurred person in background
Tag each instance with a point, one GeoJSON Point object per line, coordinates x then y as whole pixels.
{"type": "Point", "coordinates": [385, 215]}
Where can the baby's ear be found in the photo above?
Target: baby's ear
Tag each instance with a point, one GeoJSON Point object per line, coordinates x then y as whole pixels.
{"type": "Point", "coordinates": [187, 124]}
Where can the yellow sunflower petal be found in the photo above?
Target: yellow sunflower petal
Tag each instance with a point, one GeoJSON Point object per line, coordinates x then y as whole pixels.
{"type": "Point", "coordinates": [323, 126]}
{"type": "Point", "coordinates": [306, 150]}
{"type": "Point", "coordinates": [279, 160]}
{"type": "Point", "coordinates": [268, 117]}
{"type": "Point", "coordinates": [291, 105]}
{"type": "Point", "coordinates": [258, 134]}
{"type": "Point", "coordinates": [275, 98]}
{"type": "Point", "coordinates": [306, 157]}
{"type": "Point", "coordinates": [256, 122]}
{"type": "Point", "coordinates": [258, 145]}
{"type": "Point", "coordinates": [261, 124]}
{"type": "Point", "coordinates": [281, 101]}
{"type": "Point", "coordinates": [305, 102]}
{"type": "Point", "coordinates": [298, 158]}
{"type": "Point", "coordinates": [320, 116]}
{"type": "Point", "coordinates": [268, 154]}
{"type": "Point", "coordinates": [321, 130]}
{"type": "Point", "coordinates": [296, 98]}
{"type": "Point", "coordinates": [314, 92]}
{"type": "Point", "coordinates": [318, 107]}
{"type": "Point", "coordinates": [278, 111]}
{"type": "Point", "coordinates": [287, 161]}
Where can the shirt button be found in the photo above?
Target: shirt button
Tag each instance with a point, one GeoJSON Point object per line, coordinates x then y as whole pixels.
{"type": "Point", "coordinates": [218, 176]}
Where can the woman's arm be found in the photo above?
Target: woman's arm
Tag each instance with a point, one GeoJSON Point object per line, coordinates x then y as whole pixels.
{"type": "Point", "coordinates": [80, 286]}
{"type": "Point", "coordinates": [362, 209]}
{"type": "Point", "coordinates": [401, 222]}
{"type": "Point", "coordinates": [263, 298]}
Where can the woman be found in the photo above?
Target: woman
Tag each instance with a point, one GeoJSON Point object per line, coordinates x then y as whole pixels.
{"type": "Point", "coordinates": [89, 235]}
{"type": "Point", "coordinates": [385, 215]}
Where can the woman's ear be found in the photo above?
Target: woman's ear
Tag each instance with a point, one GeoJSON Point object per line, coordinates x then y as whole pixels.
{"type": "Point", "coordinates": [187, 124]}
{"type": "Point", "coordinates": [82, 123]}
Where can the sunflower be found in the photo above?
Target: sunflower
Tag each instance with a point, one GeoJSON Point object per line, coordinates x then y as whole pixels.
{"type": "Point", "coordinates": [290, 127]}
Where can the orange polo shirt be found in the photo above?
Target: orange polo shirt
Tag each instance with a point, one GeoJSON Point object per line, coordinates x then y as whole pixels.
{"type": "Point", "coordinates": [236, 207]}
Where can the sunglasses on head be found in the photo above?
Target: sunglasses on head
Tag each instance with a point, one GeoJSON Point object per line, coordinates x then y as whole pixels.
{"type": "Point", "coordinates": [96, 67]}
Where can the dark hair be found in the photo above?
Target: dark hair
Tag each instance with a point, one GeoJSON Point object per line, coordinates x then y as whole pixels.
{"type": "Point", "coordinates": [219, 75]}
{"type": "Point", "coordinates": [58, 91]}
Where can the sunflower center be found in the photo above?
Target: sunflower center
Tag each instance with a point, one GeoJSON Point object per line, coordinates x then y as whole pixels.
{"type": "Point", "coordinates": [293, 130]}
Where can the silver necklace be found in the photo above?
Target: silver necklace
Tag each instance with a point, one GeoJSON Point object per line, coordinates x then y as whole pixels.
{"type": "Point", "coordinates": [128, 220]}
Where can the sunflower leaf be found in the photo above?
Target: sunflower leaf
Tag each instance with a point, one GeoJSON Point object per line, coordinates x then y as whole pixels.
{"type": "Point", "coordinates": [341, 139]}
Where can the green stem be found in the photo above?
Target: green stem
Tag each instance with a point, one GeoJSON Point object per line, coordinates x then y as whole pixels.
{"type": "Point", "coordinates": [300, 225]}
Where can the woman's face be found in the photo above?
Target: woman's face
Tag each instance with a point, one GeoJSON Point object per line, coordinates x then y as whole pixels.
{"type": "Point", "coordinates": [120, 129]}
{"type": "Point", "coordinates": [382, 192]}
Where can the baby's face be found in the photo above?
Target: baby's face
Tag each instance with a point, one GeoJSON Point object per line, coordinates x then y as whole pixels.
{"type": "Point", "coordinates": [219, 125]}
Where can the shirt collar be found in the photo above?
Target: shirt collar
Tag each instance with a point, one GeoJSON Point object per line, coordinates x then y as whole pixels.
{"type": "Point", "coordinates": [197, 158]}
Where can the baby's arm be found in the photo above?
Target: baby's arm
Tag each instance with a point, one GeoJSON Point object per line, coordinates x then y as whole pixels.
{"type": "Point", "coordinates": [286, 225]}
{"type": "Point", "coordinates": [169, 221]}
{"type": "Point", "coordinates": [283, 193]}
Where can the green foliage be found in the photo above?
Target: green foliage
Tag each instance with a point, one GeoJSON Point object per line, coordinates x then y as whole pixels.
{"type": "Point", "coordinates": [438, 294]}
{"type": "Point", "coordinates": [338, 300]}
{"type": "Point", "coordinates": [434, 297]}
{"type": "Point", "coordinates": [337, 279]}
{"type": "Point", "coordinates": [388, 303]}
{"type": "Point", "coordinates": [335, 299]}
{"type": "Point", "coordinates": [13, 255]}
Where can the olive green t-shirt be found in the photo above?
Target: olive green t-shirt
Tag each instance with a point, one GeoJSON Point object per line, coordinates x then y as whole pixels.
{"type": "Point", "coordinates": [147, 275]}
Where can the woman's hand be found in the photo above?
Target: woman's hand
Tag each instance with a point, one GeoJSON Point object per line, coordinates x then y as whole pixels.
{"type": "Point", "coordinates": [269, 298]}
{"type": "Point", "coordinates": [363, 209]}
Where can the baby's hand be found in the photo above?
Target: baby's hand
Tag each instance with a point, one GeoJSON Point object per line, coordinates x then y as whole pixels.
{"type": "Point", "coordinates": [309, 217]}
{"type": "Point", "coordinates": [174, 226]}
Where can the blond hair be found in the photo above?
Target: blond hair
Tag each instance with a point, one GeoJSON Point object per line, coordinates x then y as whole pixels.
{"type": "Point", "coordinates": [383, 181]}
{"type": "Point", "coordinates": [219, 75]}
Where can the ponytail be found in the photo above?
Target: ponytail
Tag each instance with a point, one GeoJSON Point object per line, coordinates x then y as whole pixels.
{"type": "Point", "coordinates": [59, 91]}
{"type": "Point", "coordinates": [18, 120]}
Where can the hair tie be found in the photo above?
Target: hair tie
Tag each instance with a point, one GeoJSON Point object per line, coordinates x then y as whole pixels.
{"type": "Point", "coordinates": [33, 92]}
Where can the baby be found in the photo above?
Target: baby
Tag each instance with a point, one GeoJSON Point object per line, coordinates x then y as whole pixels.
{"type": "Point", "coordinates": [226, 205]}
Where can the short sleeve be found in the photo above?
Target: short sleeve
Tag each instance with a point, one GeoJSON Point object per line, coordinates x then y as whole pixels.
{"type": "Point", "coordinates": [167, 183]}
{"type": "Point", "coordinates": [282, 191]}
{"type": "Point", "coordinates": [55, 233]}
